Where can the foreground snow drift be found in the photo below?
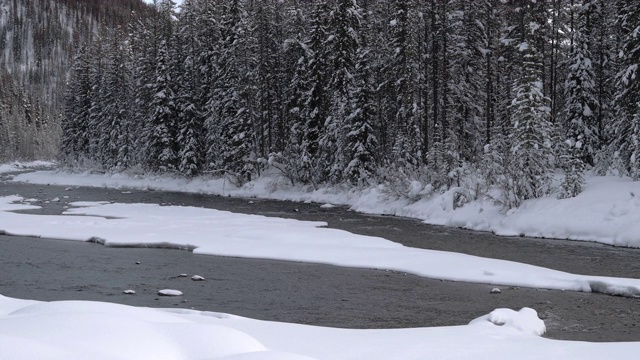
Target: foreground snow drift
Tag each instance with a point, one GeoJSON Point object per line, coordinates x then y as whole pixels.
{"type": "Point", "coordinates": [608, 210]}
{"type": "Point", "coordinates": [69, 330]}
{"type": "Point", "coordinates": [224, 233]}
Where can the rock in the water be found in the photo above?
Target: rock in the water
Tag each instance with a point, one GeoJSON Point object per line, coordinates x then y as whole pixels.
{"type": "Point", "coordinates": [169, 292]}
{"type": "Point", "coordinates": [129, 292]}
{"type": "Point", "coordinates": [495, 291]}
{"type": "Point", "coordinates": [197, 278]}
{"type": "Point", "coordinates": [137, 262]}
{"type": "Point", "coordinates": [183, 275]}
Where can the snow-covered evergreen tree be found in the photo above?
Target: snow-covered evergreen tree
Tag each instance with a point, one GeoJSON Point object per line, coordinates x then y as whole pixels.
{"type": "Point", "coordinates": [407, 150]}
{"type": "Point", "coordinates": [234, 117]}
{"type": "Point", "coordinates": [116, 108]}
{"type": "Point", "coordinates": [162, 122]}
{"type": "Point", "coordinates": [581, 142]}
{"type": "Point", "coordinates": [343, 43]}
{"type": "Point", "coordinates": [531, 146]}
{"type": "Point", "coordinates": [190, 136]}
{"type": "Point", "coordinates": [625, 130]}
{"type": "Point", "coordinates": [316, 104]}
{"type": "Point", "coordinates": [75, 137]}
{"type": "Point", "coordinates": [361, 143]}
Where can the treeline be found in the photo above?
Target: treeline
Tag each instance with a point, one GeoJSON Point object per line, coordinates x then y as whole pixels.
{"type": "Point", "coordinates": [479, 94]}
{"type": "Point", "coordinates": [38, 40]}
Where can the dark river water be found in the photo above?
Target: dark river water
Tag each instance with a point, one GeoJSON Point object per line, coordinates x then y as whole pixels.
{"type": "Point", "coordinates": [44, 269]}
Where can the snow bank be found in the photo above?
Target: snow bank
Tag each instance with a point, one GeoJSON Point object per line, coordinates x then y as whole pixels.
{"type": "Point", "coordinates": [525, 320]}
{"type": "Point", "coordinates": [93, 330]}
{"type": "Point", "coordinates": [17, 166]}
{"type": "Point", "coordinates": [224, 233]}
{"type": "Point", "coordinates": [608, 211]}
{"type": "Point", "coordinates": [12, 203]}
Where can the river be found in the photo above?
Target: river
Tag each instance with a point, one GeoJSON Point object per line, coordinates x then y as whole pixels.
{"type": "Point", "coordinates": [44, 269]}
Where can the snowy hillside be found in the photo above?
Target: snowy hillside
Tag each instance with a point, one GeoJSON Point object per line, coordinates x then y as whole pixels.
{"type": "Point", "coordinates": [38, 42]}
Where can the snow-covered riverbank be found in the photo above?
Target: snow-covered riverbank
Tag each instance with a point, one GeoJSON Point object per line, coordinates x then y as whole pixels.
{"type": "Point", "coordinates": [607, 211]}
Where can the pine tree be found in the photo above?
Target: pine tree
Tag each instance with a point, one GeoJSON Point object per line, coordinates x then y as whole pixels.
{"type": "Point", "coordinates": [581, 142]}
{"type": "Point", "coordinates": [361, 142]}
{"type": "Point", "coordinates": [268, 32]}
{"type": "Point", "coordinates": [162, 123]}
{"type": "Point", "coordinates": [190, 136]}
{"type": "Point", "coordinates": [75, 140]}
{"type": "Point", "coordinates": [625, 129]}
{"type": "Point", "coordinates": [406, 130]}
{"type": "Point", "coordinates": [232, 97]}
{"type": "Point", "coordinates": [343, 43]}
{"type": "Point", "coordinates": [97, 127]}
{"type": "Point", "coordinates": [531, 145]}
{"type": "Point", "coordinates": [316, 104]}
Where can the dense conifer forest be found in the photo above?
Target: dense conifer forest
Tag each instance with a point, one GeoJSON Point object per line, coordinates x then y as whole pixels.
{"type": "Point", "coordinates": [38, 40]}
{"type": "Point", "coordinates": [509, 95]}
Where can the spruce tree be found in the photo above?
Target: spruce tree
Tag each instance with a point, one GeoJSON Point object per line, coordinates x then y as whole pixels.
{"type": "Point", "coordinates": [316, 104]}
{"type": "Point", "coordinates": [531, 130]}
{"type": "Point", "coordinates": [343, 43]}
{"type": "Point", "coordinates": [625, 129]}
{"type": "Point", "coordinates": [190, 136]}
{"type": "Point", "coordinates": [232, 97]}
{"type": "Point", "coordinates": [75, 137]}
{"type": "Point", "coordinates": [162, 122]}
{"type": "Point", "coordinates": [361, 142]}
{"type": "Point", "coordinates": [581, 139]}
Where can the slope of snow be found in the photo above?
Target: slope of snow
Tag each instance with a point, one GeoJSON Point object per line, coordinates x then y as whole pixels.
{"type": "Point", "coordinates": [93, 330]}
{"type": "Point", "coordinates": [608, 210]}
{"type": "Point", "coordinates": [215, 232]}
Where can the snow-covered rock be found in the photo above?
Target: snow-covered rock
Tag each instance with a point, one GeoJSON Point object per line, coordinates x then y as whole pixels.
{"type": "Point", "coordinates": [169, 292]}
{"type": "Point", "coordinates": [526, 320]}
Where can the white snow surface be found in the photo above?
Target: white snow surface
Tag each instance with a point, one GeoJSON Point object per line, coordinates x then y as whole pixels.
{"type": "Point", "coordinates": [17, 166]}
{"type": "Point", "coordinates": [170, 292]}
{"type": "Point", "coordinates": [224, 233]}
{"type": "Point", "coordinates": [607, 211]}
{"type": "Point", "coordinates": [70, 330]}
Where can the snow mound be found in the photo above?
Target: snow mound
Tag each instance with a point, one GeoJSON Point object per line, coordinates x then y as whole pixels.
{"type": "Point", "coordinates": [79, 330]}
{"type": "Point", "coordinates": [94, 330]}
{"type": "Point", "coordinates": [170, 292]}
{"type": "Point", "coordinates": [526, 320]}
